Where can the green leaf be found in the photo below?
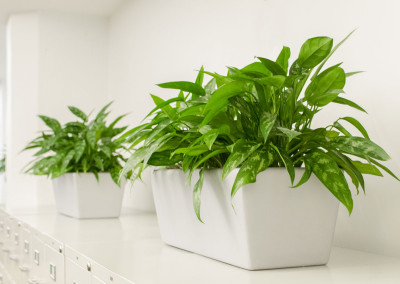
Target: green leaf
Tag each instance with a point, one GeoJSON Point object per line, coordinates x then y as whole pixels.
{"type": "Point", "coordinates": [259, 161]}
{"type": "Point", "coordinates": [287, 161]}
{"type": "Point", "coordinates": [275, 81]}
{"type": "Point", "coordinates": [343, 101]}
{"type": "Point", "coordinates": [367, 168]}
{"type": "Point", "coordinates": [384, 168]}
{"type": "Point", "coordinates": [349, 74]}
{"type": "Point", "coordinates": [185, 86]}
{"type": "Point", "coordinates": [164, 105]}
{"type": "Point", "coordinates": [66, 160]}
{"type": "Point", "coordinates": [77, 112]}
{"type": "Point", "coordinates": [79, 148]}
{"type": "Point", "coordinates": [114, 173]}
{"type": "Point", "coordinates": [240, 152]}
{"type": "Point", "coordinates": [272, 66]}
{"type": "Point", "coordinates": [330, 54]}
{"type": "Point", "coordinates": [306, 175]}
{"type": "Point", "coordinates": [314, 51]}
{"type": "Point", "coordinates": [200, 77]}
{"type": "Point", "coordinates": [340, 127]}
{"type": "Point", "coordinates": [193, 151]}
{"type": "Point", "coordinates": [328, 172]}
{"type": "Point", "coordinates": [289, 133]}
{"type": "Point", "coordinates": [197, 194]}
{"type": "Point", "coordinates": [256, 68]}
{"type": "Point", "coordinates": [219, 99]}
{"type": "Point", "coordinates": [210, 87]}
{"type": "Point", "coordinates": [326, 87]}
{"type": "Point", "coordinates": [360, 146]}
{"type": "Point", "coordinates": [283, 58]}
{"type": "Point", "coordinates": [99, 163]}
{"type": "Point", "coordinates": [357, 125]}
{"type": "Point", "coordinates": [267, 121]}
{"type": "Point", "coordinates": [51, 122]}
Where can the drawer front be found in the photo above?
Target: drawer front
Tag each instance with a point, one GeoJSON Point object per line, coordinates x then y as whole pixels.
{"type": "Point", "coordinates": [105, 276]}
{"type": "Point", "coordinates": [54, 263]}
{"type": "Point", "coordinates": [38, 270]}
{"type": "Point", "coordinates": [74, 274]}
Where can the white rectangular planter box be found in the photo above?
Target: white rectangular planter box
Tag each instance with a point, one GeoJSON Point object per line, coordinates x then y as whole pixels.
{"type": "Point", "coordinates": [274, 226]}
{"type": "Point", "coordinates": [81, 196]}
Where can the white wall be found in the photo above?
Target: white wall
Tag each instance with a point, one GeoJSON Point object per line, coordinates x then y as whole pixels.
{"type": "Point", "coordinates": [153, 41]}
{"type": "Point", "coordinates": [54, 60]}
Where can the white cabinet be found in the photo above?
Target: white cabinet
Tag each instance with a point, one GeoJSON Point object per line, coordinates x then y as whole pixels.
{"type": "Point", "coordinates": [37, 271]}
{"type": "Point", "coordinates": [75, 274]}
{"type": "Point", "coordinates": [54, 260]}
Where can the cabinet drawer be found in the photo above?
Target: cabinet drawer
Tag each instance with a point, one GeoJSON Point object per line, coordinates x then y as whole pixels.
{"type": "Point", "coordinates": [54, 263]}
{"type": "Point", "coordinates": [74, 274]}
{"type": "Point", "coordinates": [106, 276]}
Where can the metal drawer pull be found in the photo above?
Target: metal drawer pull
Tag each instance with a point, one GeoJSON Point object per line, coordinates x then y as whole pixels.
{"type": "Point", "coordinates": [16, 238]}
{"type": "Point", "coordinates": [13, 257]}
{"type": "Point", "coordinates": [36, 257]}
{"type": "Point", "coordinates": [23, 268]}
{"type": "Point", "coordinates": [53, 271]}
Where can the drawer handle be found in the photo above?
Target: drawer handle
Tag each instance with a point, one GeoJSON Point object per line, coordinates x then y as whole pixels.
{"type": "Point", "coordinates": [16, 238]}
{"type": "Point", "coordinates": [53, 272]}
{"type": "Point", "coordinates": [36, 257]}
{"type": "Point", "coordinates": [6, 250]}
{"type": "Point", "coordinates": [26, 247]}
{"type": "Point", "coordinates": [23, 268]}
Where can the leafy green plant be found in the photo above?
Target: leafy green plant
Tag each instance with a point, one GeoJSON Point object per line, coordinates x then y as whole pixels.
{"type": "Point", "coordinates": [257, 117]}
{"type": "Point", "coordinates": [3, 164]}
{"type": "Point", "coordinates": [79, 146]}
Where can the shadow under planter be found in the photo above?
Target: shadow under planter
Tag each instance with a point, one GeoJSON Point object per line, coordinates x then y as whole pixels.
{"type": "Point", "coordinates": [81, 196]}
{"type": "Point", "coordinates": [274, 226]}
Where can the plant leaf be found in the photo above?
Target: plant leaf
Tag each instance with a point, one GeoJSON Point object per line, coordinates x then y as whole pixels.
{"type": "Point", "coordinates": [259, 161]}
{"type": "Point", "coordinates": [306, 176]}
{"type": "Point", "coordinates": [357, 125]}
{"type": "Point", "coordinates": [289, 133]}
{"type": "Point", "coordinates": [314, 51]}
{"type": "Point", "coordinates": [77, 112]}
{"type": "Point", "coordinates": [367, 168]}
{"type": "Point", "coordinates": [185, 86]}
{"type": "Point", "coordinates": [328, 172]}
{"type": "Point", "coordinates": [360, 146]}
{"type": "Point", "coordinates": [343, 101]}
{"type": "Point", "coordinates": [51, 122]}
{"type": "Point", "coordinates": [283, 58]}
{"type": "Point", "coordinates": [240, 152]}
{"type": "Point", "coordinates": [272, 66]}
{"type": "Point", "coordinates": [267, 121]}
{"type": "Point", "coordinates": [197, 194]}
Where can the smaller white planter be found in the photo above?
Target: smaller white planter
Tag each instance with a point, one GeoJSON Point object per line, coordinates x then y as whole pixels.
{"type": "Point", "coordinates": [81, 196]}
{"type": "Point", "coordinates": [274, 226]}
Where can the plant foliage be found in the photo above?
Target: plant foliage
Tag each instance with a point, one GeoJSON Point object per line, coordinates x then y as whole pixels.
{"type": "Point", "coordinates": [83, 146]}
{"type": "Point", "coordinates": [3, 164]}
{"type": "Point", "coordinates": [257, 117]}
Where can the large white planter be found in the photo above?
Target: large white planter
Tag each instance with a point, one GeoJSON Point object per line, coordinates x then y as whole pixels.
{"type": "Point", "coordinates": [81, 196]}
{"type": "Point", "coordinates": [274, 226]}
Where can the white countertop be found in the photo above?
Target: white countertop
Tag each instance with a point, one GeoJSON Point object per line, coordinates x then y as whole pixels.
{"type": "Point", "coordinates": [131, 246]}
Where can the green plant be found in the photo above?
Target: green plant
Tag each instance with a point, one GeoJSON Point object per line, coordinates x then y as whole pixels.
{"type": "Point", "coordinates": [257, 117]}
{"type": "Point", "coordinates": [78, 146]}
{"type": "Point", "coordinates": [3, 164]}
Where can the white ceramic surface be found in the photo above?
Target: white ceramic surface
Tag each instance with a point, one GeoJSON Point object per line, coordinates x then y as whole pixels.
{"type": "Point", "coordinates": [82, 196]}
{"type": "Point", "coordinates": [274, 226]}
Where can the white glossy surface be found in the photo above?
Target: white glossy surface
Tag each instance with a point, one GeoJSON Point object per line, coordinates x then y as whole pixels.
{"type": "Point", "coordinates": [271, 226]}
{"type": "Point", "coordinates": [131, 247]}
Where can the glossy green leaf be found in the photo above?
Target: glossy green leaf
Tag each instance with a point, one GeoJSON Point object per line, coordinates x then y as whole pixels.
{"type": "Point", "coordinates": [259, 161]}
{"type": "Point", "coordinates": [343, 101]}
{"type": "Point", "coordinates": [328, 172]}
{"type": "Point", "coordinates": [219, 99]}
{"type": "Point", "coordinates": [360, 146]}
{"type": "Point", "coordinates": [306, 175]}
{"type": "Point", "coordinates": [357, 125]}
{"type": "Point", "coordinates": [272, 66]}
{"type": "Point", "coordinates": [267, 121]}
{"type": "Point", "coordinates": [384, 168]}
{"type": "Point", "coordinates": [283, 58]}
{"type": "Point", "coordinates": [326, 87]}
{"type": "Point", "coordinates": [197, 194]}
{"type": "Point", "coordinates": [275, 81]}
{"type": "Point", "coordinates": [240, 152]}
{"type": "Point", "coordinates": [256, 68]}
{"type": "Point", "coordinates": [314, 51]}
{"type": "Point", "coordinates": [185, 86]}
{"type": "Point", "coordinates": [366, 168]}
{"type": "Point", "coordinates": [79, 148]}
